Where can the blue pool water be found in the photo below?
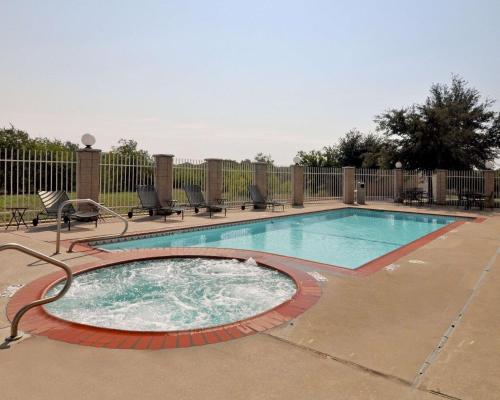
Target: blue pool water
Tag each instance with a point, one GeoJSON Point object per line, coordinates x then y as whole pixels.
{"type": "Point", "coordinates": [347, 237]}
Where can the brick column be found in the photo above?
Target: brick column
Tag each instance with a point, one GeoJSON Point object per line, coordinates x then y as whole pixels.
{"type": "Point", "coordinates": [164, 177]}
{"type": "Point", "coordinates": [398, 185]}
{"type": "Point", "coordinates": [440, 186]}
{"type": "Point", "coordinates": [489, 187]}
{"type": "Point", "coordinates": [260, 177]}
{"type": "Point", "coordinates": [298, 185]}
{"type": "Point", "coordinates": [88, 162]}
{"type": "Point", "coordinates": [349, 174]}
{"type": "Point", "coordinates": [214, 180]}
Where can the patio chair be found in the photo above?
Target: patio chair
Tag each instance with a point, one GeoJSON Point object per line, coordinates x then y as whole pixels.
{"type": "Point", "coordinates": [52, 200]}
{"type": "Point", "coordinates": [259, 201]}
{"type": "Point", "coordinates": [197, 201]}
{"type": "Point", "coordinates": [149, 200]}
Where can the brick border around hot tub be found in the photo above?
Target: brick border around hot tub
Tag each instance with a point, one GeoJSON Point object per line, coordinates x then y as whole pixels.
{"type": "Point", "coordinates": [38, 321]}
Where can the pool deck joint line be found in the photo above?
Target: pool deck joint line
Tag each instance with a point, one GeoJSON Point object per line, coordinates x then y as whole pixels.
{"type": "Point", "coordinates": [456, 321]}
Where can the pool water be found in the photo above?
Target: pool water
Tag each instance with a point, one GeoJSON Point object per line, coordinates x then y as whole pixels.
{"type": "Point", "coordinates": [172, 294]}
{"type": "Point", "coordinates": [347, 238]}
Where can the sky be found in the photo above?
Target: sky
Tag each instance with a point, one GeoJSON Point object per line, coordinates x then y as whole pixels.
{"type": "Point", "coordinates": [229, 79]}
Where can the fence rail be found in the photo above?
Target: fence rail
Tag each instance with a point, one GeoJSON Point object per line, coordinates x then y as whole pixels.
{"type": "Point", "coordinates": [119, 177]}
{"type": "Point", "coordinates": [23, 173]}
{"type": "Point", "coordinates": [235, 180]}
{"type": "Point", "coordinates": [379, 183]}
{"type": "Point", "coordinates": [322, 183]}
{"type": "Point", "coordinates": [188, 172]}
{"type": "Point", "coordinates": [496, 195]}
{"type": "Point", "coordinates": [458, 182]}
{"type": "Point", "coordinates": [279, 183]}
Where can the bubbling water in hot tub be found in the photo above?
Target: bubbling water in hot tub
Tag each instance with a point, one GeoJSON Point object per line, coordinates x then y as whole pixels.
{"type": "Point", "coordinates": [172, 294]}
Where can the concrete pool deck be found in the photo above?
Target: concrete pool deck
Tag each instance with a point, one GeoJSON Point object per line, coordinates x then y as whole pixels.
{"type": "Point", "coordinates": [387, 335]}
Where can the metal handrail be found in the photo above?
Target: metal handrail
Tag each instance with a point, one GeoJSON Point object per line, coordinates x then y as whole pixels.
{"type": "Point", "coordinates": [88, 201]}
{"type": "Point", "coordinates": [69, 278]}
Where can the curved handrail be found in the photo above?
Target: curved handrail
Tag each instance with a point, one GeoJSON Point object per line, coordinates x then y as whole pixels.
{"type": "Point", "coordinates": [69, 278]}
{"type": "Point", "coordinates": [88, 201]}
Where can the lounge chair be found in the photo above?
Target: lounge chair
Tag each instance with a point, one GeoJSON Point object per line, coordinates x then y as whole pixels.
{"type": "Point", "coordinates": [148, 197]}
{"type": "Point", "coordinates": [259, 201]}
{"type": "Point", "coordinates": [52, 200]}
{"type": "Point", "coordinates": [197, 201]}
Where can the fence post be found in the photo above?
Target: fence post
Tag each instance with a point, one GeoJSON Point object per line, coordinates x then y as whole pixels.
{"type": "Point", "coordinates": [441, 180]}
{"type": "Point", "coordinates": [260, 177]}
{"type": "Point", "coordinates": [348, 182]}
{"type": "Point", "coordinates": [489, 187]}
{"type": "Point", "coordinates": [164, 177]}
{"type": "Point", "coordinates": [88, 165]}
{"type": "Point", "coordinates": [298, 185]}
{"type": "Point", "coordinates": [398, 184]}
{"type": "Point", "coordinates": [214, 180]}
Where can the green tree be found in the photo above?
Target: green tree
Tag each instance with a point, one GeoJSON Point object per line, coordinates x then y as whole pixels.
{"type": "Point", "coordinates": [313, 158]}
{"type": "Point", "coordinates": [129, 148]}
{"type": "Point", "coordinates": [15, 139]}
{"type": "Point", "coordinates": [453, 129]}
{"type": "Point", "coordinates": [261, 157]}
{"type": "Point", "coordinates": [353, 149]}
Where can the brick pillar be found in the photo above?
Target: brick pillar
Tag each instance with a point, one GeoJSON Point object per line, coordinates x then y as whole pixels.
{"type": "Point", "coordinates": [164, 177]}
{"type": "Point", "coordinates": [260, 177]}
{"type": "Point", "coordinates": [88, 163]}
{"type": "Point", "coordinates": [348, 181]}
{"type": "Point", "coordinates": [440, 186]}
{"type": "Point", "coordinates": [214, 180]}
{"type": "Point", "coordinates": [489, 187]}
{"type": "Point", "coordinates": [298, 185]}
{"type": "Point", "coordinates": [398, 185]}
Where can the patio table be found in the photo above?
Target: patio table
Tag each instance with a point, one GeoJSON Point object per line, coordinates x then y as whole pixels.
{"type": "Point", "coordinates": [415, 194]}
{"type": "Point", "coordinates": [474, 198]}
{"type": "Point", "coordinates": [17, 217]}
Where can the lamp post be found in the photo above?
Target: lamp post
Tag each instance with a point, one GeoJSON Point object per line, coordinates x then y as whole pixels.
{"type": "Point", "coordinates": [490, 164]}
{"type": "Point", "coordinates": [88, 140]}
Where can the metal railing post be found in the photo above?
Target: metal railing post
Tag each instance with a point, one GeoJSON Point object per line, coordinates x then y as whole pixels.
{"type": "Point", "coordinates": [69, 278]}
{"type": "Point", "coordinates": [96, 204]}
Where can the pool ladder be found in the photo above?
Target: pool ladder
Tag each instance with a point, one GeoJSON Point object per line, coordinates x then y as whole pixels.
{"type": "Point", "coordinates": [14, 333]}
{"type": "Point", "coordinates": [84, 240]}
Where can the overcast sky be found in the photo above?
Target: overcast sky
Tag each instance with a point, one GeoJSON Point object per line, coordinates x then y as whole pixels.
{"type": "Point", "coordinates": [229, 79]}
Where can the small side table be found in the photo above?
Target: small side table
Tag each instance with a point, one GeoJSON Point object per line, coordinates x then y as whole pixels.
{"type": "Point", "coordinates": [17, 217]}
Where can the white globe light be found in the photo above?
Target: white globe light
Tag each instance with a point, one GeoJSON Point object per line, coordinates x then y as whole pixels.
{"type": "Point", "coordinates": [296, 160]}
{"type": "Point", "coordinates": [489, 164]}
{"type": "Point", "coordinates": [88, 140]}
{"type": "Point", "coordinates": [399, 165]}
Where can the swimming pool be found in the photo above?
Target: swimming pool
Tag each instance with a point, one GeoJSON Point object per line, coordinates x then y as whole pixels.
{"type": "Point", "coordinates": [345, 237]}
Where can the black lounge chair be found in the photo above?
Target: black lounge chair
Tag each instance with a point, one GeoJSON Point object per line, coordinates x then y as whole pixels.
{"type": "Point", "coordinates": [52, 200]}
{"type": "Point", "coordinates": [259, 201]}
{"type": "Point", "coordinates": [148, 197]}
{"type": "Point", "coordinates": [197, 201]}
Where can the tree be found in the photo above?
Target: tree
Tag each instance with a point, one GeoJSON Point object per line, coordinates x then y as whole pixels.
{"type": "Point", "coordinates": [453, 129]}
{"type": "Point", "coordinates": [353, 149]}
{"type": "Point", "coordinates": [128, 148]}
{"type": "Point", "coordinates": [314, 158]}
{"type": "Point", "coordinates": [15, 139]}
{"type": "Point", "coordinates": [261, 157]}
